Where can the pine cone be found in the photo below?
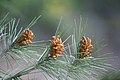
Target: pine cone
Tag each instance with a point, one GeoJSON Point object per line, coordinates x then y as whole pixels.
{"type": "Point", "coordinates": [56, 47]}
{"type": "Point", "coordinates": [85, 46]}
{"type": "Point", "coordinates": [26, 37]}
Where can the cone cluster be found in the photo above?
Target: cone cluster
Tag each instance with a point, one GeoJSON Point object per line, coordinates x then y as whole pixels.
{"type": "Point", "coordinates": [26, 37]}
{"type": "Point", "coordinates": [56, 47]}
{"type": "Point", "coordinates": [85, 46]}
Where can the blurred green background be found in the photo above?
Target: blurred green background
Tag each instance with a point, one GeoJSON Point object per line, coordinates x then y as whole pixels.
{"type": "Point", "coordinates": [103, 18]}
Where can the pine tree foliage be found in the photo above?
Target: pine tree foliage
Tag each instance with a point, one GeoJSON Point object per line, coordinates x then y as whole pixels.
{"type": "Point", "coordinates": [10, 50]}
{"type": "Point", "coordinates": [112, 75]}
{"type": "Point", "coordinates": [66, 66]}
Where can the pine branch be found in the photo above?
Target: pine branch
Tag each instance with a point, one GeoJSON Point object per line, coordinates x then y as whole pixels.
{"type": "Point", "coordinates": [8, 36]}
{"type": "Point", "coordinates": [59, 59]}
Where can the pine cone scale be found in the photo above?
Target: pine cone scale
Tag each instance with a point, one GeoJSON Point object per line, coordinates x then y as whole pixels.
{"type": "Point", "coordinates": [85, 46]}
{"type": "Point", "coordinates": [56, 47]}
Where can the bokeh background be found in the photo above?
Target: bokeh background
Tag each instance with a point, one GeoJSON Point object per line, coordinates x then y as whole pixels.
{"type": "Point", "coordinates": [103, 18]}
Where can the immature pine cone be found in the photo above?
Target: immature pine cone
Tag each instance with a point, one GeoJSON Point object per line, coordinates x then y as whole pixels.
{"type": "Point", "coordinates": [26, 37]}
{"type": "Point", "coordinates": [85, 46]}
{"type": "Point", "coordinates": [56, 47]}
